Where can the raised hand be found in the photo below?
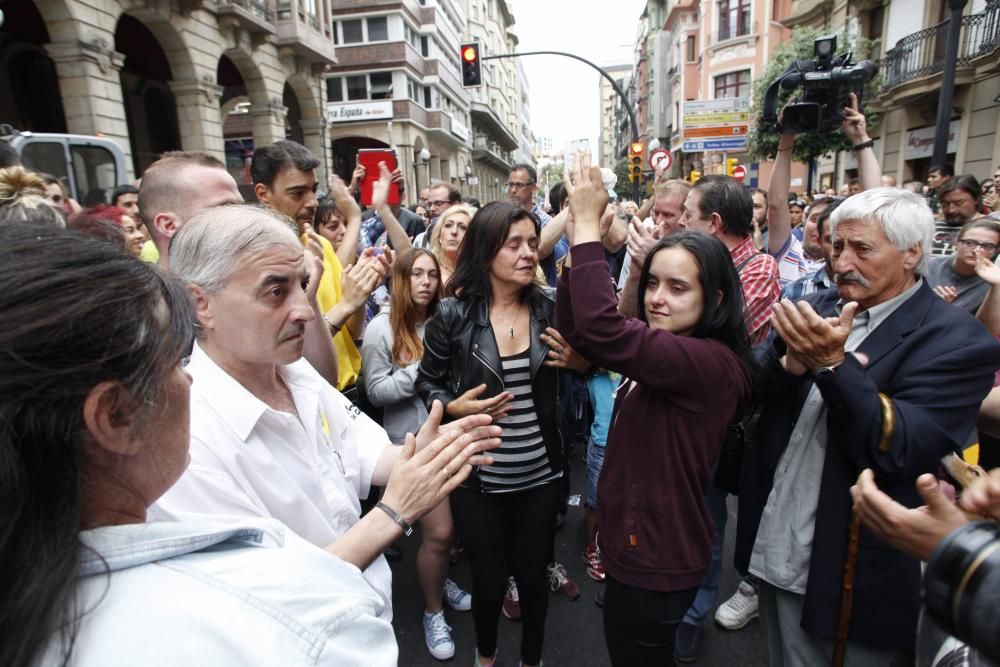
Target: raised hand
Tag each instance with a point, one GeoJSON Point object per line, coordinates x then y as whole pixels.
{"type": "Point", "coordinates": [854, 127]}
{"type": "Point", "coordinates": [561, 354]}
{"type": "Point", "coordinates": [587, 198]}
{"type": "Point", "coordinates": [314, 262]}
{"type": "Point", "coordinates": [987, 268]}
{"type": "Point", "coordinates": [342, 197]}
{"type": "Point", "coordinates": [380, 189]}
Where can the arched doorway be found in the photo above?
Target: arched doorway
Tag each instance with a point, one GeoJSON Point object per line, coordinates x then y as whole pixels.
{"type": "Point", "coordinates": [150, 108]}
{"type": "Point", "coordinates": [29, 85]}
{"type": "Point", "coordinates": [293, 115]}
{"type": "Point", "coordinates": [237, 125]}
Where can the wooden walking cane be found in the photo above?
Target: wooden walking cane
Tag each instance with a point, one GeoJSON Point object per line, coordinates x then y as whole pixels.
{"type": "Point", "coordinates": [853, 537]}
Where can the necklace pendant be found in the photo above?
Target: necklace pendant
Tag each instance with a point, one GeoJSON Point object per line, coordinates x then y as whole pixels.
{"type": "Point", "coordinates": [512, 332]}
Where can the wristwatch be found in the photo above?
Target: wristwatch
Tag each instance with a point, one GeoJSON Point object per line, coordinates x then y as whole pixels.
{"type": "Point", "coordinates": [824, 372]}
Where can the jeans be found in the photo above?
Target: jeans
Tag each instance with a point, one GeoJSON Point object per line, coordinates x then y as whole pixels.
{"type": "Point", "coordinates": [508, 533]}
{"type": "Point", "coordinates": [640, 624]}
{"type": "Point", "coordinates": [709, 590]}
{"type": "Point", "coordinates": [595, 461]}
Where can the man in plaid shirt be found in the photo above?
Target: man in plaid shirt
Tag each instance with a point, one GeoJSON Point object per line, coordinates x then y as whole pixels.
{"type": "Point", "coordinates": [722, 207]}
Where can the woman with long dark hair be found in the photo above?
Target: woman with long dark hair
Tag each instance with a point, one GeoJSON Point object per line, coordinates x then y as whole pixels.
{"type": "Point", "coordinates": [484, 353]}
{"type": "Point", "coordinates": [94, 427]}
{"type": "Point", "coordinates": [390, 355]}
{"type": "Point", "coordinates": [686, 364]}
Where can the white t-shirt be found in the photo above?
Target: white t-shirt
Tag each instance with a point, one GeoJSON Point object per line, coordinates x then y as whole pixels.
{"type": "Point", "coordinates": [308, 471]}
{"type": "Point", "coordinates": [793, 263]}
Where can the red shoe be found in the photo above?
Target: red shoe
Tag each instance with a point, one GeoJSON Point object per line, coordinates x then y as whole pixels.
{"type": "Point", "coordinates": [559, 581]}
{"type": "Point", "coordinates": [592, 557]}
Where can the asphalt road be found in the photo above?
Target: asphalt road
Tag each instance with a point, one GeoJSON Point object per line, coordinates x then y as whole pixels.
{"type": "Point", "coordinates": [574, 634]}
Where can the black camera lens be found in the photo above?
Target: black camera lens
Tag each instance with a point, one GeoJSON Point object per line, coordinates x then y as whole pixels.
{"type": "Point", "coordinates": [961, 585]}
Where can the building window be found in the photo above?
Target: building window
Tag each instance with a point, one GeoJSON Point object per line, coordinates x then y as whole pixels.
{"type": "Point", "coordinates": [424, 47]}
{"type": "Point", "coordinates": [357, 87]}
{"type": "Point", "coordinates": [734, 18]}
{"type": "Point", "coordinates": [427, 98]}
{"type": "Point", "coordinates": [381, 85]}
{"type": "Point", "coordinates": [335, 89]}
{"type": "Point", "coordinates": [353, 31]}
{"type": "Point", "coordinates": [692, 52]}
{"type": "Point", "coordinates": [378, 29]}
{"type": "Point", "coordinates": [734, 84]}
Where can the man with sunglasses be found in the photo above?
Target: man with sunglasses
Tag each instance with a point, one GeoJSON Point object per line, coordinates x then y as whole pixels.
{"type": "Point", "coordinates": [954, 277]}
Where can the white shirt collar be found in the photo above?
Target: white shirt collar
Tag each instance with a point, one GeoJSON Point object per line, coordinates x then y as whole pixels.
{"type": "Point", "coordinates": [241, 410]}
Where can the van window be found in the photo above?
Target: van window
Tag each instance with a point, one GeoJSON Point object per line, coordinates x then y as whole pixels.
{"type": "Point", "coordinates": [95, 171]}
{"type": "Point", "coordinates": [48, 157]}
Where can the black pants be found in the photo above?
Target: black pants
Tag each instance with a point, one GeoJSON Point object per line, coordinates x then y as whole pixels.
{"type": "Point", "coordinates": [508, 533]}
{"type": "Point", "coordinates": [640, 624]}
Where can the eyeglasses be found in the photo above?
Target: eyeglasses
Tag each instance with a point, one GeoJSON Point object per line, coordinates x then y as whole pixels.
{"type": "Point", "coordinates": [513, 185]}
{"type": "Point", "coordinates": [969, 244]}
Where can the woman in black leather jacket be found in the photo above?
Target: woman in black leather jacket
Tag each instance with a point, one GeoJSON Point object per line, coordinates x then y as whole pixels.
{"type": "Point", "coordinates": [484, 353]}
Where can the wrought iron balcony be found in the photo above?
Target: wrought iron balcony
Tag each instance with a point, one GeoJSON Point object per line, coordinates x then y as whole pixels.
{"type": "Point", "coordinates": [922, 54]}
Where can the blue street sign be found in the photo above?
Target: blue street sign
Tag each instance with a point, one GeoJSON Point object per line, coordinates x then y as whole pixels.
{"type": "Point", "coordinates": [736, 143]}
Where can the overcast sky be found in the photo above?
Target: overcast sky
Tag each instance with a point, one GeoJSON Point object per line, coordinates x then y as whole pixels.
{"type": "Point", "coordinates": [565, 100]}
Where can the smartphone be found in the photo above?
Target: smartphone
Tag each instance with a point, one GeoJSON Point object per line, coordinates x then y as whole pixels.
{"type": "Point", "coordinates": [369, 158]}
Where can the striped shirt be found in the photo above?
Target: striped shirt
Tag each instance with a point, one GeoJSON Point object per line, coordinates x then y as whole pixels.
{"type": "Point", "coordinates": [759, 278]}
{"type": "Point", "coordinates": [521, 461]}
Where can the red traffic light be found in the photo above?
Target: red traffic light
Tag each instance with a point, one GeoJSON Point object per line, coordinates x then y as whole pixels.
{"type": "Point", "coordinates": [470, 53]}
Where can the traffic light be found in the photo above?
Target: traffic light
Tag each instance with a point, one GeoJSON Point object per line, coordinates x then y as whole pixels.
{"type": "Point", "coordinates": [694, 176]}
{"type": "Point", "coordinates": [731, 164]}
{"type": "Point", "coordinates": [472, 72]}
{"type": "Point", "coordinates": [635, 152]}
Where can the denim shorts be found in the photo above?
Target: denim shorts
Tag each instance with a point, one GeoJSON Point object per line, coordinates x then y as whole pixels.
{"type": "Point", "coordinates": [595, 461]}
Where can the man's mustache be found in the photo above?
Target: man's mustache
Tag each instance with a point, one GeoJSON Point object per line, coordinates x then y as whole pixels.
{"type": "Point", "coordinates": [852, 277]}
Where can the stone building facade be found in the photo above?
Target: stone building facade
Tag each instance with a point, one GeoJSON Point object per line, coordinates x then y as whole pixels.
{"type": "Point", "coordinates": [155, 75]}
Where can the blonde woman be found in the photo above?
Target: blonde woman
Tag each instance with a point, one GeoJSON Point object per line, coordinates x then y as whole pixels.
{"type": "Point", "coordinates": [447, 236]}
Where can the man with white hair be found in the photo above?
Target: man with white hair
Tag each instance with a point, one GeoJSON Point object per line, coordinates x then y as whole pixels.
{"type": "Point", "coordinates": [879, 374]}
{"type": "Point", "coordinates": [271, 438]}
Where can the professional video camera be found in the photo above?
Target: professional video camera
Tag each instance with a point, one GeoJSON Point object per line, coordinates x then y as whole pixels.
{"type": "Point", "coordinates": [826, 81]}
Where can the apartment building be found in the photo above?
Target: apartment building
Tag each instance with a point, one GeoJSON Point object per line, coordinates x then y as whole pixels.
{"type": "Point", "coordinates": [397, 83]}
{"type": "Point", "coordinates": [910, 41]}
{"type": "Point", "coordinates": [610, 144]}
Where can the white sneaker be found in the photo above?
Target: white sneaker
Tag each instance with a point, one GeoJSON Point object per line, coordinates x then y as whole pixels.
{"type": "Point", "coordinates": [455, 597]}
{"type": "Point", "coordinates": [437, 636]}
{"type": "Point", "coordinates": [738, 610]}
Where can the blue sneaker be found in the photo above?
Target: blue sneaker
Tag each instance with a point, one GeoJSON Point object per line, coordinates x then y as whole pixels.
{"type": "Point", "coordinates": [455, 597]}
{"type": "Point", "coordinates": [437, 636]}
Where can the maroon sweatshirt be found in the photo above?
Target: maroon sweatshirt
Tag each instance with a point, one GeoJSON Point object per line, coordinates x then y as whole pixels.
{"type": "Point", "coordinates": [666, 430]}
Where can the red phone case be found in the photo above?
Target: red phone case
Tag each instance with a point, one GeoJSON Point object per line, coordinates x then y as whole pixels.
{"type": "Point", "coordinates": [369, 158]}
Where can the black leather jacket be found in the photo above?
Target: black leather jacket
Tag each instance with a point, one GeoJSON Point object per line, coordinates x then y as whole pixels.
{"type": "Point", "coordinates": [460, 353]}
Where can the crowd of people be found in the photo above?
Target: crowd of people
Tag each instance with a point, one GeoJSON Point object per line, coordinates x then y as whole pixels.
{"type": "Point", "coordinates": [220, 418]}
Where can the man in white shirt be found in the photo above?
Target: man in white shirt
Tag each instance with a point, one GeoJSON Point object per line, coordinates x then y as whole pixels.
{"type": "Point", "coordinates": [270, 437]}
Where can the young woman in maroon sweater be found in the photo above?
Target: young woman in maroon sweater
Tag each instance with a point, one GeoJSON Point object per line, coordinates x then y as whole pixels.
{"type": "Point", "coordinates": [686, 365]}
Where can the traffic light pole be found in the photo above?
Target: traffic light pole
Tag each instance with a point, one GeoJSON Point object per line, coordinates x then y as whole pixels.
{"type": "Point", "coordinates": [614, 84]}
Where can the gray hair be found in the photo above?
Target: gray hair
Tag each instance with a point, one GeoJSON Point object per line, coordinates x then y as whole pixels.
{"type": "Point", "coordinates": [208, 249]}
{"type": "Point", "coordinates": [904, 217]}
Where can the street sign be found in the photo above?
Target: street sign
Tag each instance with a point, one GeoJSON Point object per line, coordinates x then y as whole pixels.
{"type": "Point", "coordinates": [715, 132]}
{"type": "Point", "coordinates": [714, 125]}
{"type": "Point", "coordinates": [659, 159]}
{"type": "Point", "coordinates": [740, 173]}
{"type": "Point", "coordinates": [734, 144]}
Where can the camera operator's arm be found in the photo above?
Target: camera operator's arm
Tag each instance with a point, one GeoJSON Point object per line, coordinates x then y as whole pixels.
{"type": "Point", "coordinates": [855, 128]}
{"type": "Point", "coordinates": [779, 221]}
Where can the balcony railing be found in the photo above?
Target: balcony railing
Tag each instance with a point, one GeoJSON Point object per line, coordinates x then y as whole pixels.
{"type": "Point", "coordinates": [259, 8]}
{"type": "Point", "coordinates": [738, 30]}
{"type": "Point", "coordinates": [922, 53]}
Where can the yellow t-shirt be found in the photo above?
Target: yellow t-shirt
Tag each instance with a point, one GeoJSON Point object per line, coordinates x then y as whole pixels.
{"type": "Point", "coordinates": [149, 253]}
{"type": "Point", "coordinates": [327, 296]}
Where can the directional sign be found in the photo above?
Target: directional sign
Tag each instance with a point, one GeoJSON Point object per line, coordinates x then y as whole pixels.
{"type": "Point", "coordinates": [716, 119]}
{"type": "Point", "coordinates": [734, 144]}
{"type": "Point", "coordinates": [659, 159]}
{"type": "Point", "coordinates": [715, 132]}
{"type": "Point", "coordinates": [725, 104]}
{"type": "Point", "coordinates": [740, 173]}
